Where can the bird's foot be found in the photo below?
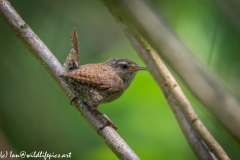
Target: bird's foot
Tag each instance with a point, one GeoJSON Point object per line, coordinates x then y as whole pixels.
{"type": "Point", "coordinates": [73, 100]}
{"type": "Point", "coordinates": [96, 112]}
{"type": "Point", "coordinates": [108, 123]}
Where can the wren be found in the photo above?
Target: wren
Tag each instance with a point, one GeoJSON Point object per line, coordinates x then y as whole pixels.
{"type": "Point", "coordinates": [98, 83]}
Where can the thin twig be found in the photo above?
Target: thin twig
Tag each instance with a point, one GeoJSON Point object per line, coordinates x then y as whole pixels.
{"type": "Point", "coordinates": [6, 147]}
{"type": "Point", "coordinates": [198, 137]}
{"type": "Point", "coordinates": [195, 76]}
{"type": "Point", "coordinates": [52, 65]}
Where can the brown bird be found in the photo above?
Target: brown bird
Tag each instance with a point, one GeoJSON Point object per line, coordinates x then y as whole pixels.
{"type": "Point", "coordinates": [98, 83]}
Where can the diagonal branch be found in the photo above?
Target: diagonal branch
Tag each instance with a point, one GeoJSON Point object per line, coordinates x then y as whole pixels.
{"type": "Point", "coordinates": [197, 135]}
{"type": "Point", "coordinates": [203, 86]}
{"type": "Point", "coordinates": [52, 65]}
{"type": "Point", "coordinates": [230, 9]}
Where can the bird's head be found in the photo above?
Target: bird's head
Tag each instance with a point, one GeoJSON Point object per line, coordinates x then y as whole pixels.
{"type": "Point", "coordinates": [126, 69]}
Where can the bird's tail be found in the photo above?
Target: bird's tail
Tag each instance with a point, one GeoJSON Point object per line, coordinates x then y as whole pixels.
{"type": "Point", "coordinates": [72, 61]}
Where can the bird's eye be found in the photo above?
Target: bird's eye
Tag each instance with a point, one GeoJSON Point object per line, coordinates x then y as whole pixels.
{"type": "Point", "coordinates": [124, 66]}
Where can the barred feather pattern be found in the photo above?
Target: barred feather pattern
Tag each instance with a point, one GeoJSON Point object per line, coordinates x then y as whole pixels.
{"type": "Point", "coordinates": [72, 61]}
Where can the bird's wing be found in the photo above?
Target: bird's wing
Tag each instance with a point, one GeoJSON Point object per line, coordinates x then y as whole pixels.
{"type": "Point", "coordinates": [99, 76]}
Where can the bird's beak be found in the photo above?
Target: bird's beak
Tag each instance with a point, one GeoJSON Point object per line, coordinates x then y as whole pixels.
{"type": "Point", "coordinates": [137, 68]}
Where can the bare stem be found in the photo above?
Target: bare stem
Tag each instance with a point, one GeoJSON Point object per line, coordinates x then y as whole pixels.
{"type": "Point", "coordinates": [198, 137]}
{"type": "Point", "coordinates": [52, 65]}
{"type": "Point", "coordinates": [199, 81]}
{"type": "Point", "coordinates": [5, 147]}
{"type": "Point", "coordinates": [230, 9]}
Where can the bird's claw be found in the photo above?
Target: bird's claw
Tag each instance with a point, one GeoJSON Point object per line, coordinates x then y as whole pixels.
{"type": "Point", "coordinates": [73, 100]}
{"type": "Point", "coordinates": [108, 123]}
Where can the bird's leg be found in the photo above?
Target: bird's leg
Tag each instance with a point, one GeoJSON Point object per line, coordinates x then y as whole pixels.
{"type": "Point", "coordinates": [95, 110]}
{"type": "Point", "coordinates": [108, 121]}
{"type": "Point", "coordinates": [73, 100]}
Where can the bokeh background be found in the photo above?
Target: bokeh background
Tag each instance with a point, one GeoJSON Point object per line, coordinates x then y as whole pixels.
{"type": "Point", "coordinates": [36, 116]}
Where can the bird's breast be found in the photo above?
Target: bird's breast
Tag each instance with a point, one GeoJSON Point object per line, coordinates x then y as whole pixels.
{"type": "Point", "coordinates": [113, 96]}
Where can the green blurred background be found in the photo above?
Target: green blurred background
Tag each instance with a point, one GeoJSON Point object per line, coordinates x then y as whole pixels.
{"type": "Point", "coordinates": [35, 115]}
